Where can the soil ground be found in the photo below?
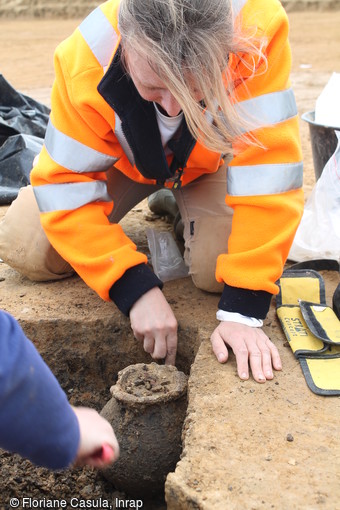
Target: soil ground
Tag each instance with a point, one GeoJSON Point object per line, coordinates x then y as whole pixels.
{"type": "Point", "coordinates": [26, 54]}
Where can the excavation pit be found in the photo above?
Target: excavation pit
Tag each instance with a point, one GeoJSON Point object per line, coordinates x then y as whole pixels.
{"type": "Point", "coordinates": [87, 360]}
{"type": "Point", "coordinates": [86, 343]}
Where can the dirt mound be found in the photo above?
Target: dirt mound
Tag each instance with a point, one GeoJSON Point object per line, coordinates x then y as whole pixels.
{"type": "Point", "coordinates": [80, 8]}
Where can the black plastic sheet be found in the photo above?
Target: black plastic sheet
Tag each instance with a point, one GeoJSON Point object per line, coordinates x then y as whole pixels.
{"type": "Point", "coordinates": [23, 123]}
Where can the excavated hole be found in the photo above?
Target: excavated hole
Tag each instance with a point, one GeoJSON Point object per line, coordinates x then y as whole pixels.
{"type": "Point", "coordinates": [86, 359]}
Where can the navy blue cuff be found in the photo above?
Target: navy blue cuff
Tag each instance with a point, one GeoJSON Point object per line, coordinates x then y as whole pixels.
{"type": "Point", "coordinates": [135, 282]}
{"type": "Point", "coordinates": [252, 303]}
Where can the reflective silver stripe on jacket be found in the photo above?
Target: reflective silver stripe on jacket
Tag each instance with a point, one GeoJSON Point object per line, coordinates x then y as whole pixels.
{"type": "Point", "coordinates": [99, 35]}
{"type": "Point", "coordinates": [268, 109]}
{"type": "Point", "coordinates": [264, 179]}
{"type": "Point", "coordinates": [73, 155]}
{"type": "Point", "coordinates": [66, 197]}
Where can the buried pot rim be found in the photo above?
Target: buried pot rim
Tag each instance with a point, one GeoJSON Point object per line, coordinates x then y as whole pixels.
{"type": "Point", "coordinates": [179, 382]}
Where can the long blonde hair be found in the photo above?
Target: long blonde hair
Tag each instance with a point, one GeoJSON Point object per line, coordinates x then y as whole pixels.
{"type": "Point", "coordinates": [193, 38]}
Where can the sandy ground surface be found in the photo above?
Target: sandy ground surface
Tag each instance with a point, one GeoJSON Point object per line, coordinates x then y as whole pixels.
{"type": "Point", "coordinates": [26, 52]}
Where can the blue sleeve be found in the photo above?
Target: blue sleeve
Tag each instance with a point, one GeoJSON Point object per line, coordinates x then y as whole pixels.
{"type": "Point", "coordinates": [36, 419]}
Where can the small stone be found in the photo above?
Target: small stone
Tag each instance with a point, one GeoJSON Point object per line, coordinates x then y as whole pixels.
{"type": "Point", "coordinates": [268, 457]}
{"type": "Point", "coordinates": [157, 389]}
{"type": "Point", "coordinates": [290, 438]}
{"type": "Point", "coordinates": [86, 491]}
{"type": "Point", "coordinates": [292, 462]}
{"type": "Point", "coordinates": [82, 479]}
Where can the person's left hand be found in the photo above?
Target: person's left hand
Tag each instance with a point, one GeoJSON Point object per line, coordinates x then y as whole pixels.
{"type": "Point", "coordinates": [98, 445]}
{"type": "Point", "coordinates": [251, 347]}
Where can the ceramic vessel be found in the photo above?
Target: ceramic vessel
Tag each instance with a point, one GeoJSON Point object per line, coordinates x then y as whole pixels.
{"type": "Point", "coordinates": [147, 412]}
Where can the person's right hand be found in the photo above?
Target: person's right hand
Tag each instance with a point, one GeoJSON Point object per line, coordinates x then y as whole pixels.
{"type": "Point", "coordinates": [153, 323]}
{"type": "Point", "coordinates": [98, 445]}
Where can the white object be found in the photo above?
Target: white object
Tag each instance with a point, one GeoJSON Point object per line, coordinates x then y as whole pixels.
{"type": "Point", "coordinates": [166, 259]}
{"type": "Point", "coordinates": [167, 125]}
{"type": "Point", "coordinates": [222, 315]}
{"type": "Point", "coordinates": [327, 107]}
{"type": "Point", "coordinates": [318, 235]}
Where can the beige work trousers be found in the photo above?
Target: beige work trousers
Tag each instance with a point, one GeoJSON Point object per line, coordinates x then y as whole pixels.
{"type": "Point", "coordinates": [206, 218]}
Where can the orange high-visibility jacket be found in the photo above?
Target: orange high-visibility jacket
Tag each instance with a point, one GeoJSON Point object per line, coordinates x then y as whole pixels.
{"type": "Point", "coordinates": [98, 120]}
